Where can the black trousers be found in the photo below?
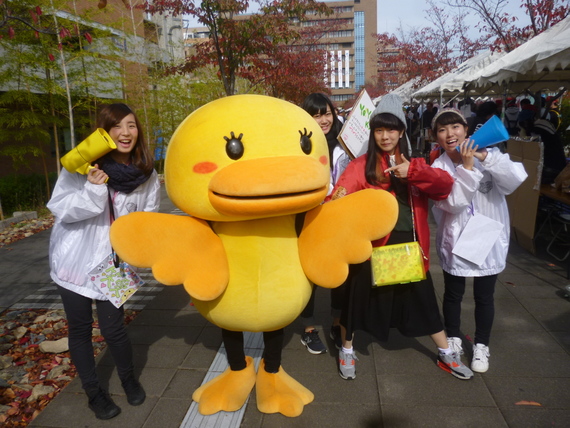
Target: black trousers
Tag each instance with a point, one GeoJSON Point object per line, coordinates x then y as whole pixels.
{"type": "Point", "coordinates": [483, 293]}
{"type": "Point", "coordinates": [79, 312]}
{"type": "Point", "coordinates": [337, 301]}
{"type": "Point", "coordinates": [233, 341]}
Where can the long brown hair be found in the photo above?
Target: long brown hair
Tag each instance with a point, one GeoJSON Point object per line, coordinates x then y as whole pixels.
{"type": "Point", "coordinates": [112, 114]}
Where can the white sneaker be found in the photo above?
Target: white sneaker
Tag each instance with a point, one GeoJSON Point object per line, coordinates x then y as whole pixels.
{"type": "Point", "coordinates": [481, 356]}
{"type": "Point", "coordinates": [455, 344]}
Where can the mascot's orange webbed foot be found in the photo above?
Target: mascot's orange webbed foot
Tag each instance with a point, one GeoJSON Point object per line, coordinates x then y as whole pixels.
{"type": "Point", "coordinates": [228, 392]}
{"type": "Point", "coordinates": [280, 393]}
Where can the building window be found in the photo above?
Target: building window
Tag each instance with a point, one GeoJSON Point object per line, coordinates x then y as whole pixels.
{"type": "Point", "coordinates": [339, 98]}
{"type": "Point", "coordinates": [359, 57]}
{"type": "Point", "coordinates": [342, 33]}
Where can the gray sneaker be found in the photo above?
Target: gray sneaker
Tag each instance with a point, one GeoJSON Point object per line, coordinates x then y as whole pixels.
{"type": "Point", "coordinates": [452, 364]}
{"type": "Point", "coordinates": [313, 342]}
{"type": "Point", "coordinates": [346, 365]}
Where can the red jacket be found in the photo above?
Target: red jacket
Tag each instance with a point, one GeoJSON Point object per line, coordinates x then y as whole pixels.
{"type": "Point", "coordinates": [423, 182]}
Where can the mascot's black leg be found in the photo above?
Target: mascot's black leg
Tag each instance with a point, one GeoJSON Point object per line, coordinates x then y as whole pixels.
{"type": "Point", "coordinates": [273, 347]}
{"type": "Point", "coordinates": [233, 341]}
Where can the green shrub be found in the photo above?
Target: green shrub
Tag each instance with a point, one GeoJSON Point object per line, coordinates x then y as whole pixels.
{"type": "Point", "coordinates": [24, 192]}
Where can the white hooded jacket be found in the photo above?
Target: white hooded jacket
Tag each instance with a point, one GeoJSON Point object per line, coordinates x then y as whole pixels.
{"type": "Point", "coordinates": [482, 191]}
{"type": "Point", "coordinates": [80, 236]}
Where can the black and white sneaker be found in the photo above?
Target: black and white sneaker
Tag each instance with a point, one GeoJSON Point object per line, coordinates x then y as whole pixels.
{"type": "Point", "coordinates": [313, 342]}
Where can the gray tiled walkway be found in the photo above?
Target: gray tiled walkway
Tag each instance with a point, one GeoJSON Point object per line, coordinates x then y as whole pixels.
{"type": "Point", "coordinates": [397, 384]}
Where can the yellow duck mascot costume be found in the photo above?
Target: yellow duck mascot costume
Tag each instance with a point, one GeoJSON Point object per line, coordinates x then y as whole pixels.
{"type": "Point", "coordinates": [243, 168]}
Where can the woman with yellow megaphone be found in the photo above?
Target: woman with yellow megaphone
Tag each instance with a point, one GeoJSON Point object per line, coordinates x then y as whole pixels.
{"type": "Point", "coordinates": [121, 180]}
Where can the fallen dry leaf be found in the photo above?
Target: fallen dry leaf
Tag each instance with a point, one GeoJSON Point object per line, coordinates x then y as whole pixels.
{"type": "Point", "coordinates": [528, 403]}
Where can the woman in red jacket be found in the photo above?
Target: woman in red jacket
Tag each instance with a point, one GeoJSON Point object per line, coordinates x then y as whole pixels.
{"type": "Point", "coordinates": [411, 308]}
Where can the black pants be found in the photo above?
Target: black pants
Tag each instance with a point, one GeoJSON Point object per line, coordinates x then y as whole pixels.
{"type": "Point", "coordinates": [483, 293]}
{"type": "Point", "coordinates": [337, 301]}
{"type": "Point", "coordinates": [78, 310]}
{"type": "Point", "coordinates": [233, 341]}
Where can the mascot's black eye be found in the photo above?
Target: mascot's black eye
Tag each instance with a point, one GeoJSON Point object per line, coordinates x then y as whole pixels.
{"type": "Point", "coordinates": [234, 146]}
{"type": "Point", "coordinates": [306, 143]}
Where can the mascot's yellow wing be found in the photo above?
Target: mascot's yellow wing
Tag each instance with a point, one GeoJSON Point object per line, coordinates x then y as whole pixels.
{"type": "Point", "coordinates": [179, 249]}
{"type": "Point", "coordinates": [340, 232]}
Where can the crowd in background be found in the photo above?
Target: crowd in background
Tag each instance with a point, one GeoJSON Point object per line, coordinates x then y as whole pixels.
{"type": "Point", "coordinates": [525, 117]}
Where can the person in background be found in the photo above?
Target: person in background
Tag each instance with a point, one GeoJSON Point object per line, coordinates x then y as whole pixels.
{"type": "Point", "coordinates": [554, 158]}
{"type": "Point", "coordinates": [412, 307]}
{"type": "Point", "coordinates": [511, 115]}
{"type": "Point", "coordinates": [485, 111]}
{"type": "Point", "coordinates": [553, 111]}
{"type": "Point", "coordinates": [428, 114]}
{"type": "Point", "coordinates": [323, 111]}
{"type": "Point", "coordinates": [482, 179]}
{"type": "Point", "coordinates": [526, 117]}
{"type": "Point", "coordinates": [122, 181]}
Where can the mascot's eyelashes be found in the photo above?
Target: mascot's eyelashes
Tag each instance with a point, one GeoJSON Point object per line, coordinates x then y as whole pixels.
{"type": "Point", "coordinates": [306, 144]}
{"type": "Point", "coordinates": [234, 146]}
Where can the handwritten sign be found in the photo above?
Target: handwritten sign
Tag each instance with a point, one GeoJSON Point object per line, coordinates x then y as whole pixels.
{"type": "Point", "coordinates": [355, 133]}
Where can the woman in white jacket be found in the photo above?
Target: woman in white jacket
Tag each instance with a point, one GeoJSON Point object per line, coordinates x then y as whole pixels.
{"type": "Point", "coordinates": [123, 180]}
{"type": "Point", "coordinates": [482, 179]}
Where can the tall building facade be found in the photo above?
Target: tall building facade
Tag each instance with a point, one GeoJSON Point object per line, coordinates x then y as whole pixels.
{"type": "Point", "coordinates": [351, 49]}
{"type": "Point", "coordinates": [350, 45]}
{"type": "Point", "coordinates": [388, 75]}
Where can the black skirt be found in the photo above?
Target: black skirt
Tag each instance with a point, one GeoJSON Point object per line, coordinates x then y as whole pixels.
{"type": "Point", "coordinates": [411, 308]}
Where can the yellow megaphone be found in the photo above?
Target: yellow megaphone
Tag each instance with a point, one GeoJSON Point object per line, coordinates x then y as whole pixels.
{"type": "Point", "coordinates": [79, 159]}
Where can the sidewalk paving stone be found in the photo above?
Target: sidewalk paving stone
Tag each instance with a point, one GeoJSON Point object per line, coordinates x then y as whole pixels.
{"type": "Point", "coordinates": [398, 383]}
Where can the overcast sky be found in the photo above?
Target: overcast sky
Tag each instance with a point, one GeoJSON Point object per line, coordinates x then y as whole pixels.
{"type": "Point", "coordinates": [411, 14]}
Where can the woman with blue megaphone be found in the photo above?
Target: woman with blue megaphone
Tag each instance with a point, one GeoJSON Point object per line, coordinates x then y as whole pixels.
{"type": "Point", "coordinates": [472, 238]}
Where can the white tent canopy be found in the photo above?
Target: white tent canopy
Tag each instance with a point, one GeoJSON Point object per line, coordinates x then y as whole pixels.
{"type": "Point", "coordinates": [542, 63]}
{"type": "Point", "coordinates": [404, 91]}
{"type": "Point", "coordinates": [454, 81]}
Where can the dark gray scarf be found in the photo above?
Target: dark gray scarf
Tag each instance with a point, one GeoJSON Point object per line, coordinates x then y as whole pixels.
{"type": "Point", "coordinates": [123, 178]}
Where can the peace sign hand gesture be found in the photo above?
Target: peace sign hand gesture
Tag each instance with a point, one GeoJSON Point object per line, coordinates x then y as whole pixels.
{"type": "Point", "coordinates": [401, 170]}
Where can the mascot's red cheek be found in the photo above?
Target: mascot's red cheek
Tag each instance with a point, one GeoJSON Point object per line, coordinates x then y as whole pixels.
{"type": "Point", "coordinates": [204, 167]}
{"type": "Point", "coordinates": [324, 160]}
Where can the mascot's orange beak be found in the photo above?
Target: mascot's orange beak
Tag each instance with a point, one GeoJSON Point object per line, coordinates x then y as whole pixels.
{"type": "Point", "coordinates": [269, 186]}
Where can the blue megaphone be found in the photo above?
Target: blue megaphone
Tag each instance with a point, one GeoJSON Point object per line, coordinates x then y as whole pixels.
{"type": "Point", "coordinates": [492, 132]}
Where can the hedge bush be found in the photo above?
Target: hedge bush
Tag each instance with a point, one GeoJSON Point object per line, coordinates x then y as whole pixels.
{"type": "Point", "coordinates": [24, 192]}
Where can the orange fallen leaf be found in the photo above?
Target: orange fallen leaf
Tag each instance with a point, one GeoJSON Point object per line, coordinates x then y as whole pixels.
{"type": "Point", "coordinates": [528, 403]}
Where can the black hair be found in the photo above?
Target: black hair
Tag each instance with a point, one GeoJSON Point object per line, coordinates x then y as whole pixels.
{"type": "Point", "coordinates": [383, 120]}
{"type": "Point", "coordinates": [488, 108]}
{"type": "Point", "coordinates": [317, 103]}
